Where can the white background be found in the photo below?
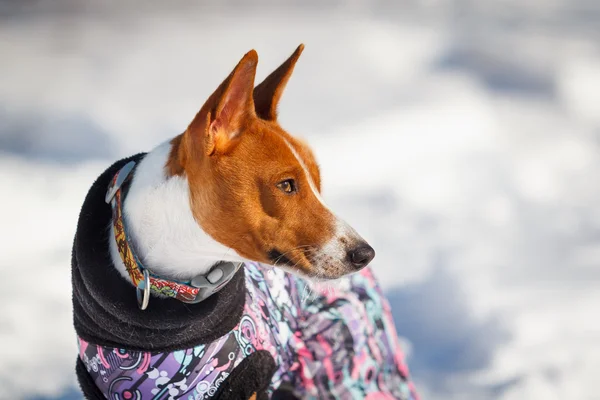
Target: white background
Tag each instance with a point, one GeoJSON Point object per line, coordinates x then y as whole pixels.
{"type": "Point", "coordinates": [461, 138]}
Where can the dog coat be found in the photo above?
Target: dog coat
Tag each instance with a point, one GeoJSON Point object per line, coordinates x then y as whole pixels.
{"type": "Point", "coordinates": [338, 343]}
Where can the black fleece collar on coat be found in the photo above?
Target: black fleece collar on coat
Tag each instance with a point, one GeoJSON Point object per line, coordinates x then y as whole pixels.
{"type": "Point", "coordinates": [105, 308]}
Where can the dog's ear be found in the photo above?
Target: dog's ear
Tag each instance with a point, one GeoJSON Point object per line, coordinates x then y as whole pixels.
{"type": "Point", "coordinates": [268, 93]}
{"type": "Point", "coordinates": [219, 122]}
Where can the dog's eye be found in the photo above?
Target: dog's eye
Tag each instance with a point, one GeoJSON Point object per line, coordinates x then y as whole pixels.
{"type": "Point", "coordinates": [288, 186]}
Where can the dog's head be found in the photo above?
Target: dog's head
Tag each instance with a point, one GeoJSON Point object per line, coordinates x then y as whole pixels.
{"type": "Point", "coordinates": [254, 187]}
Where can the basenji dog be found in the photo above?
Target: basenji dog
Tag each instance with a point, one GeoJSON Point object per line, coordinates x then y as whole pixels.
{"type": "Point", "coordinates": [190, 261]}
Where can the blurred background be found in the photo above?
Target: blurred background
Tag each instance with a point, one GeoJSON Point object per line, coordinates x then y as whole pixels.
{"type": "Point", "coordinates": [460, 137]}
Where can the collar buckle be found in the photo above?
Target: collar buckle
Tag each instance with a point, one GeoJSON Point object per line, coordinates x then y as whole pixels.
{"type": "Point", "coordinates": [214, 280]}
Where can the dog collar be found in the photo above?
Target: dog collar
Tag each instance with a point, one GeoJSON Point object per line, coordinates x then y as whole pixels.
{"type": "Point", "coordinates": [194, 291]}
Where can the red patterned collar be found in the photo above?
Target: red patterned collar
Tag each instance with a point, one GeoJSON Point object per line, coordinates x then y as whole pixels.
{"type": "Point", "coordinates": [198, 289]}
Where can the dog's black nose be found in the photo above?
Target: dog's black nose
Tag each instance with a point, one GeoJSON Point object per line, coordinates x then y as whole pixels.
{"type": "Point", "coordinates": [361, 256]}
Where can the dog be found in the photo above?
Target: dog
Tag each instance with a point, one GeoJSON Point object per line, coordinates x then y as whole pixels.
{"type": "Point", "coordinates": [192, 268]}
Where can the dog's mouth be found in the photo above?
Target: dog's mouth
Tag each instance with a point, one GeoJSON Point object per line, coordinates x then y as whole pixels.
{"type": "Point", "coordinates": [279, 259]}
{"type": "Point", "coordinates": [300, 262]}
{"type": "Point", "coordinates": [315, 263]}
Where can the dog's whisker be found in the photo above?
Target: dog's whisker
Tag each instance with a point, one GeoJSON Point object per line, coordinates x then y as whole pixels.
{"type": "Point", "coordinates": [284, 255]}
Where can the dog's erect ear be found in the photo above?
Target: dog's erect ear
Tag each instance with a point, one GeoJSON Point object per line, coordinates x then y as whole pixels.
{"type": "Point", "coordinates": [268, 93]}
{"type": "Point", "coordinates": [219, 122]}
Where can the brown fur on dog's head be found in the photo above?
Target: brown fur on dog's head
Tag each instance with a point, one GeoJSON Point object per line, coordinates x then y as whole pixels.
{"type": "Point", "coordinates": [254, 187]}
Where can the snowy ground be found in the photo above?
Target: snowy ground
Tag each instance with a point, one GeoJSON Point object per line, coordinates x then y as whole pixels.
{"type": "Point", "coordinates": [463, 141]}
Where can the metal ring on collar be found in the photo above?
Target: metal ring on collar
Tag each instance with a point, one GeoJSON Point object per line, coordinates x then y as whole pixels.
{"type": "Point", "coordinates": [121, 177]}
{"type": "Point", "coordinates": [143, 292]}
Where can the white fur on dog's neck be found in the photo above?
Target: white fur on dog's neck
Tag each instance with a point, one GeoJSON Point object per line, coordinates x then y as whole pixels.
{"type": "Point", "coordinates": [166, 237]}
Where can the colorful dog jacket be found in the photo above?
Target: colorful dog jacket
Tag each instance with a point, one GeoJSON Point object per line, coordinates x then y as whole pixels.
{"type": "Point", "coordinates": [335, 344]}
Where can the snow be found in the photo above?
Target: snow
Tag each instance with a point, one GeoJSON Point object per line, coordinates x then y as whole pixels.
{"type": "Point", "coordinates": [462, 144]}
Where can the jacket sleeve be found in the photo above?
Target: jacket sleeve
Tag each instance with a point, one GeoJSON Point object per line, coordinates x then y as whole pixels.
{"type": "Point", "coordinates": [250, 379]}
